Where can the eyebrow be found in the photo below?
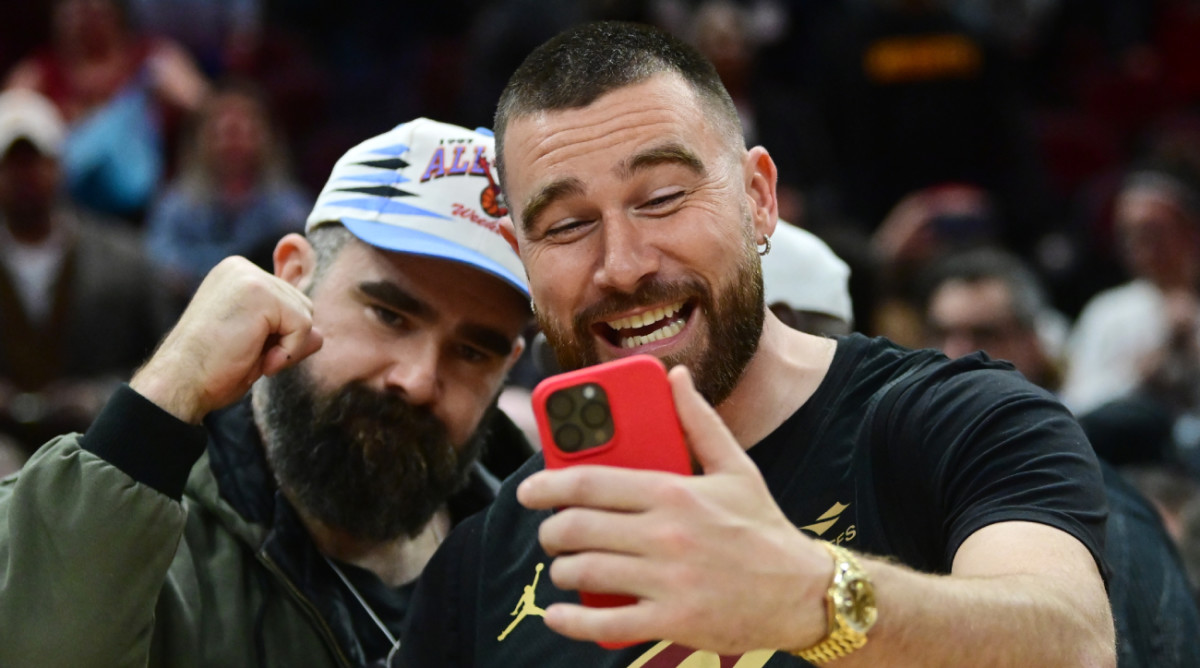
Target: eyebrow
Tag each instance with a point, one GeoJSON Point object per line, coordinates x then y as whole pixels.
{"type": "Point", "coordinates": [670, 153]}
{"type": "Point", "coordinates": [396, 297]}
{"type": "Point", "coordinates": [543, 198]}
{"type": "Point", "coordinates": [488, 338]}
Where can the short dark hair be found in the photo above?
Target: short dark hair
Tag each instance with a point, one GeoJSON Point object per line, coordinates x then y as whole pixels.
{"type": "Point", "coordinates": [1029, 301]}
{"type": "Point", "coordinates": [582, 63]}
{"type": "Point", "coordinates": [327, 241]}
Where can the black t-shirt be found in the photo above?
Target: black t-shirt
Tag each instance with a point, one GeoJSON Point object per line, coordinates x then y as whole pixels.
{"type": "Point", "coordinates": [898, 453]}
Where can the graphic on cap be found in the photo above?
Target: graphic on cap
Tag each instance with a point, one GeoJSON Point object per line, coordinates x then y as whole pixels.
{"type": "Point", "coordinates": [381, 199]}
{"type": "Point", "coordinates": [490, 198]}
{"type": "Point", "coordinates": [425, 188]}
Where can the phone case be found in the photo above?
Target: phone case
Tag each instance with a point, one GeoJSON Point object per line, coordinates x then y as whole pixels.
{"type": "Point", "coordinates": [641, 429]}
{"type": "Point", "coordinates": [646, 432]}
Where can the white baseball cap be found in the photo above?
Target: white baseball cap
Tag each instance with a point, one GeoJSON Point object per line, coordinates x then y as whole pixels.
{"type": "Point", "coordinates": [427, 188]}
{"type": "Point", "coordinates": [26, 114]}
{"type": "Point", "coordinates": [804, 273]}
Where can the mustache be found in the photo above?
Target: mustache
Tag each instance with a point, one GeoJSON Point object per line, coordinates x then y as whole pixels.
{"type": "Point", "coordinates": [374, 417]}
{"type": "Point", "coordinates": [646, 294]}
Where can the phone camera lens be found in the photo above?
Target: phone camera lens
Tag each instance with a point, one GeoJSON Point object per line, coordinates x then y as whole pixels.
{"type": "Point", "coordinates": [560, 405]}
{"type": "Point", "coordinates": [594, 414]}
{"type": "Point", "coordinates": [569, 437]}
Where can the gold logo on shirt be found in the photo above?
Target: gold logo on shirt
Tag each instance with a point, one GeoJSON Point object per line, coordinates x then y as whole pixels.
{"type": "Point", "coordinates": [664, 654]}
{"type": "Point", "coordinates": [669, 655]}
{"type": "Point", "coordinates": [829, 518]}
{"type": "Point", "coordinates": [526, 605]}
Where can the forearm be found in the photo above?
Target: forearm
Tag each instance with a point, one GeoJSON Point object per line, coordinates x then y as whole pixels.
{"type": "Point", "coordinates": [1015, 620]}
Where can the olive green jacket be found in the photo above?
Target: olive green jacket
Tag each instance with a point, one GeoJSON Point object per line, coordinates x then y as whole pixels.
{"type": "Point", "coordinates": [106, 560]}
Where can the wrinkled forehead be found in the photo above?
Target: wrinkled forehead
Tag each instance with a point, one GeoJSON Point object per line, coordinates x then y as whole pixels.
{"type": "Point", "coordinates": [600, 138]}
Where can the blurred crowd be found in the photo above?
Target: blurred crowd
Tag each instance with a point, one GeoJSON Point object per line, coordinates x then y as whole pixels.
{"type": "Point", "coordinates": [1015, 176]}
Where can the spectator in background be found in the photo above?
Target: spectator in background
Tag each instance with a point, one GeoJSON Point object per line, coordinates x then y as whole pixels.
{"type": "Point", "coordinates": [771, 114]}
{"type": "Point", "coordinates": [924, 225]}
{"type": "Point", "coordinates": [1146, 332]}
{"type": "Point", "coordinates": [121, 92]}
{"type": "Point", "coordinates": [989, 300]}
{"type": "Point", "coordinates": [221, 34]}
{"type": "Point", "coordinates": [912, 98]}
{"type": "Point", "coordinates": [805, 284]}
{"type": "Point", "coordinates": [233, 195]}
{"type": "Point", "coordinates": [80, 305]}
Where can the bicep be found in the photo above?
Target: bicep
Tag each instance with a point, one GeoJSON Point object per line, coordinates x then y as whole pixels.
{"type": "Point", "coordinates": [1029, 548]}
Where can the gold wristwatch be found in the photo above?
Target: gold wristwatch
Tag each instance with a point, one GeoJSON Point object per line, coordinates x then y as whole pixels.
{"type": "Point", "coordinates": [851, 605]}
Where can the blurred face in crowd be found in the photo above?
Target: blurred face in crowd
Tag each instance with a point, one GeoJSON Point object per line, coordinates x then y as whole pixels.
{"type": "Point", "coordinates": [636, 219]}
{"type": "Point", "coordinates": [87, 25]}
{"type": "Point", "coordinates": [721, 37]}
{"type": "Point", "coordinates": [234, 136]}
{"type": "Point", "coordinates": [373, 432]}
{"type": "Point", "coordinates": [29, 184]}
{"type": "Point", "coordinates": [966, 316]}
{"type": "Point", "coordinates": [1160, 241]}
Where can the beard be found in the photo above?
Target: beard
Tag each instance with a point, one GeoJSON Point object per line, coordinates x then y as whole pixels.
{"type": "Point", "coordinates": [366, 462]}
{"type": "Point", "coordinates": [734, 318]}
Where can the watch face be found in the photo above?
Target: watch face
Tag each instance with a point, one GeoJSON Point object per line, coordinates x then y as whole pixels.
{"type": "Point", "coordinates": [857, 604]}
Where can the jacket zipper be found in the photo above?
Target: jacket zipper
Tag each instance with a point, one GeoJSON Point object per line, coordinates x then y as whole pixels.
{"type": "Point", "coordinates": [307, 606]}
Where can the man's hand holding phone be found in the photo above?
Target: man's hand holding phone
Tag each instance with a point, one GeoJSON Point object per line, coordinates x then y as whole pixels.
{"type": "Point", "coordinates": [710, 560]}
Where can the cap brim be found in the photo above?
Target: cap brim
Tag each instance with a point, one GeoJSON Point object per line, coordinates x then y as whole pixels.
{"type": "Point", "coordinates": [405, 240]}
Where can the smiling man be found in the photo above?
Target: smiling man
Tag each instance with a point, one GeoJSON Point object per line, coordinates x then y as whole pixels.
{"type": "Point", "coordinates": [270, 483]}
{"type": "Point", "coordinates": [857, 502]}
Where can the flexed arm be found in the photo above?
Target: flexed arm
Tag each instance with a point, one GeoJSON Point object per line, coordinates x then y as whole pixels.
{"type": "Point", "coordinates": [242, 324]}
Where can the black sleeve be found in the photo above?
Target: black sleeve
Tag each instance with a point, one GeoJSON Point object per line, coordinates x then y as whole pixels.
{"type": "Point", "coordinates": [149, 444]}
{"type": "Point", "coordinates": [440, 629]}
{"type": "Point", "coordinates": [983, 445]}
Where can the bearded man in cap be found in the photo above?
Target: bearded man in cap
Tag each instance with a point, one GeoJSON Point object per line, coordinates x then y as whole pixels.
{"type": "Point", "coordinates": [269, 484]}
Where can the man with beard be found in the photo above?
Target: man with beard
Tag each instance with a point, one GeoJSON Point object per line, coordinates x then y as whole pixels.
{"type": "Point", "coordinates": [855, 502]}
{"type": "Point", "coordinates": [270, 483]}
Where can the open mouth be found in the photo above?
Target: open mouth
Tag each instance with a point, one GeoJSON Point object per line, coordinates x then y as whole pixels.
{"type": "Point", "coordinates": [643, 328]}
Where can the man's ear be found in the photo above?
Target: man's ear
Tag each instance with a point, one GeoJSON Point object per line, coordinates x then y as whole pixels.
{"type": "Point", "coordinates": [509, 231]}
{"type": "Point", "coordinates": [518, 348]}
{"type": "Point", "coordinates": [761, 178]}
{"type": "Point", "coordinates": [295, 260]}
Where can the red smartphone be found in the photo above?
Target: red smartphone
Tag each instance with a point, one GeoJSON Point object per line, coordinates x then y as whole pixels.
{"type": "Point", "coordinates": [619, 413]}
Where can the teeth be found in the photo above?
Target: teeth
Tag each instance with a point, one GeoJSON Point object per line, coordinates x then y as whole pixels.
{"type": "Point", "coordinates": [648, 318]}
{"type": "Point", "coordinates": [657, 335]}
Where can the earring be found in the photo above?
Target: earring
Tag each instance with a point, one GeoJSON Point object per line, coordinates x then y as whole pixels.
{"type": "Point", "coordinates": [766, 247]}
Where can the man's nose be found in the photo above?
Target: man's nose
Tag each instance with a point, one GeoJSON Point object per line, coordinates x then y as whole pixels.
{"type": "Point", "coordinates": [628, 256]}
{"type": "Point", "coordinates": [414, 373]}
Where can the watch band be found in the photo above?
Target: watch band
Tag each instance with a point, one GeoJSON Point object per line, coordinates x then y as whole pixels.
{"type": "Point", "coordinates": [837, 644]}
{"type": "Point", "coordinates": [841, 639]}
